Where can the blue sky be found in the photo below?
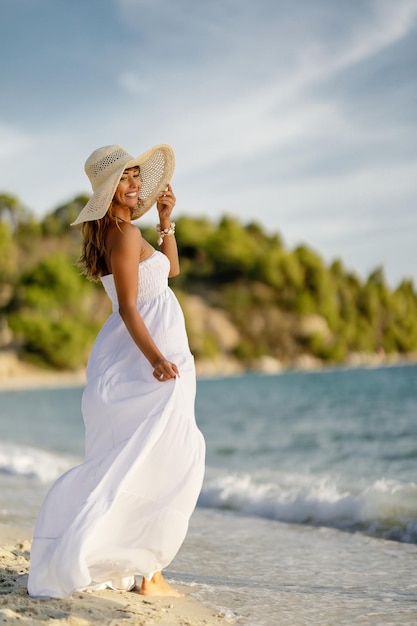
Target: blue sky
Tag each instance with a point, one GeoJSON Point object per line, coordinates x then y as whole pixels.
{"type": "Point", "coordinates": [300, 114]}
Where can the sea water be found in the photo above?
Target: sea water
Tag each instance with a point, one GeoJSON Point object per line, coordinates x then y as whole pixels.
{"type": "Point", "coordinates": [308, 513]}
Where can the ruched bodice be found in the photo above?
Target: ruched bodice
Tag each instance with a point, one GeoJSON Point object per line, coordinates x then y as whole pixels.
{"type": "Point", "coordinates": [152, 277]}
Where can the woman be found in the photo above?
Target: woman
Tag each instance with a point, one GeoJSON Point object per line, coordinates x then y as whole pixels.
{"type": "Point", "coordinates": [124, 512]}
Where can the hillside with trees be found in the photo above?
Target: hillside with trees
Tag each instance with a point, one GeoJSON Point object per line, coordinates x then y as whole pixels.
{"type": "Point", "coordinates": [247, 299]}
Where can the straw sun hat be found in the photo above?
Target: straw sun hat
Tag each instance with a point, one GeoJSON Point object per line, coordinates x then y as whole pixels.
{"type": "Point", "coordinates": [105, 166]}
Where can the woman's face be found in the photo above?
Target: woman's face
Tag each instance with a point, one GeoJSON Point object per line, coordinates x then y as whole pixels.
{"type": "Point", "coordinates": [127, 192]}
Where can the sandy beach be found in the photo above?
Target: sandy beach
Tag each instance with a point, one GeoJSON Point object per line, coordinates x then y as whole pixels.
{"type": "Point", "coordinates": [101, 607]}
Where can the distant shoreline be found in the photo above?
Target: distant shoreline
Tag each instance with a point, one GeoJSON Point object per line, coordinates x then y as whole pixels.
{"type": "Point", "coordinates": [16, 375]}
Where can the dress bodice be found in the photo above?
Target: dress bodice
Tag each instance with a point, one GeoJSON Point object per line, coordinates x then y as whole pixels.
{"type": "Point", "coordinates": [152, 276]}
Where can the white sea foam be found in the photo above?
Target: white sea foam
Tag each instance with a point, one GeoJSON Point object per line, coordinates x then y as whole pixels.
{"type": "Point", "coordinates": [384, 508]}
{"type": "Point", "coordinates": [34, 463]}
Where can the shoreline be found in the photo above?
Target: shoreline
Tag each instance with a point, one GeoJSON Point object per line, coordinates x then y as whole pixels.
{"type": "Point", "coordinates": [87, 608]}
{"type": "Point", "coordinates": [42, 380]}
{"type": "Point", "coordinates": [16, 375]}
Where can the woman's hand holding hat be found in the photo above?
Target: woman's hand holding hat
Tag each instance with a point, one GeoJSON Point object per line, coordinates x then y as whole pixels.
{"type": "Point", "coordinates": [165, 204]}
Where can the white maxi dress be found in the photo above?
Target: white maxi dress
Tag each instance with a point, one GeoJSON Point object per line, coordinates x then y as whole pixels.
{"type": "Point", "coordinates": [124, 511]}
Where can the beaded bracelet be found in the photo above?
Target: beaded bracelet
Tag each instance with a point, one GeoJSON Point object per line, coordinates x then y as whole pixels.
{"type": "Point", "coordinates": [163, 232]}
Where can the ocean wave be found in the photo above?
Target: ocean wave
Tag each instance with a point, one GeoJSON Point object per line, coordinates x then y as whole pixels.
{"type": "Point", "coordinates": [33, 463]}
{"type": "Point", "coordinates": [385, 508]}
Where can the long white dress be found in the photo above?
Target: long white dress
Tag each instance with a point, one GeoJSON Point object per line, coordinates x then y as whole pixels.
{"type": "Point", "coordinates": [125, 510]}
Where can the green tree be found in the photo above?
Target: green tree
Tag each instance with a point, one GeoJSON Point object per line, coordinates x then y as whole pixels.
{"type": "Point", "coordinates": [8, 255]}
{"type": "Point", "coordinates": [13, 212]}
{"type": "Point", "coordinates": [232, 250]}
{"type": "Point", "coordinates": [50, 314]}
{"type": "Point", "coordinates": [58, 222]}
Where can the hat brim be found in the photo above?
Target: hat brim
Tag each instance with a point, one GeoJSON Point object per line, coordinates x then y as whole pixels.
{"type": "Point", "coordinates": [156, 169]}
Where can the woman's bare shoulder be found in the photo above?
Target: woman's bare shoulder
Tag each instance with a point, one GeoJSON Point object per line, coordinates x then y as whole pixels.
{"type": "Point", "coordinates": [123, 235]}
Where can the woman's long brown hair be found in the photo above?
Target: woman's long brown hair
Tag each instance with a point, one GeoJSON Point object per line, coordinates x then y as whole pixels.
{"type": "Point", "coordinates": [93, 255]}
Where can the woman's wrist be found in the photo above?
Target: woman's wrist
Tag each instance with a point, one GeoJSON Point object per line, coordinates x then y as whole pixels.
{"type": "Point", "coordinates": [158, 362]}
{"type": "Point", "coordinates": [165, 222]}
{"type": "Point", "coordinates": [165, 231]}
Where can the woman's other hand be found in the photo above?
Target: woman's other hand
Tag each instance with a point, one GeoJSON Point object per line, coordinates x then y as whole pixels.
{"type": "Point", "coordinates": [165, 370]}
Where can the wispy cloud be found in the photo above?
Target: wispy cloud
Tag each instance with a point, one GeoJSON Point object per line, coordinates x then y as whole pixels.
{"type": "Point", "coordinates": [13, 141]}
{"type": "Point", "coordinates": [282, 109]}
{"type": "Point", "coordinates": [297, 113]}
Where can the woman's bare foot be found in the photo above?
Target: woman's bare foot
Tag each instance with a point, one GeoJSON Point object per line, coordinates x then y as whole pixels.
{"type": "Point", "coordinates": [158, 586]}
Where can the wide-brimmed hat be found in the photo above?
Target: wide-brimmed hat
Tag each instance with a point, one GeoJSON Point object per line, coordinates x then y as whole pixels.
{"type": "Point", "coordinates": [105, 166]}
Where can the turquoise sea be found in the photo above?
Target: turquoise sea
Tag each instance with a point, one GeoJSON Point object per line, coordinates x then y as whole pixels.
{"type": "Point", "coordinates": [308, 513]}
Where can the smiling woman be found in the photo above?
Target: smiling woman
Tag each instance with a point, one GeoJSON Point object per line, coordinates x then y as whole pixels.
{"type": "Point", "coordinates": [124, 512]}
